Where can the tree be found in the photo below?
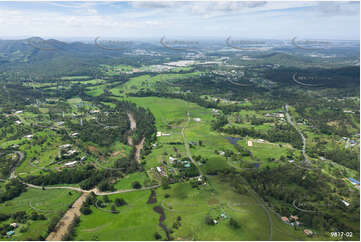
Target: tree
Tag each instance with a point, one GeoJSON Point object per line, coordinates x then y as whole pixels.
{"type": "Point", "coordinates": [85, 210]}
{"type": "Point", "coordinates": [136, 185]}
{"type": "Point", "coordinates": [165, 183]}
{"type": "Point", "coordinates": [120, 202]}
{"type": "Point", "coordinates": [114, 209]}
{"type": "Point", "coordinates": [106, 199]}
{"type": "Point", "coordinates": [234, 224]}
{"type": "Point", "coordinates": [157, 236]}
{"type": "Point", "coordinates": [208, 220]}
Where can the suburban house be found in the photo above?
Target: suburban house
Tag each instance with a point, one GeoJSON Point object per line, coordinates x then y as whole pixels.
{"type": "Point", "coordinates": [353, 181]}
{"type": "Point", "coordinates": [71, 164]}
{"type": "Point", "coordinates": [285, 219]}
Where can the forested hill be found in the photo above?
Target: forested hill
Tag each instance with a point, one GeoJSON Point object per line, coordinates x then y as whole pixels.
{"type": "Point", "coordinates": [39, 56]}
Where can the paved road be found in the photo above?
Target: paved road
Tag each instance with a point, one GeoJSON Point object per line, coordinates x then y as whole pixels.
{"type": "Point", "coordinates": [304, 84]}
{"type": "Point", "coordinates": [289, 120]}
{"type": "Point", "coordinates": [95, 190]}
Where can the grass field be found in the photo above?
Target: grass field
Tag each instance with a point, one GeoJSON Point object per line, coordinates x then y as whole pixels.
{"type": "Point", "coordinates": [135, 221]}
{"type": "Point", "coordinates": [48, 202]}
{"type": "Point", "coordinates": [138, 221]}
{"type": "Point", "coordinates": [126, 182]}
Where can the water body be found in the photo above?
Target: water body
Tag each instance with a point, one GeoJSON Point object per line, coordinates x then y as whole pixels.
{"type": "Point", "coordinates": [233, 140]}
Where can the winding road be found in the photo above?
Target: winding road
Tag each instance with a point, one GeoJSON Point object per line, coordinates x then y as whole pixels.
{"type": "Point", "coordinates": [20, 159]}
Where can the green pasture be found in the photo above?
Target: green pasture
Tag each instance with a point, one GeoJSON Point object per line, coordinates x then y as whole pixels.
{"type": "Point", "coordinates": [47, 202]}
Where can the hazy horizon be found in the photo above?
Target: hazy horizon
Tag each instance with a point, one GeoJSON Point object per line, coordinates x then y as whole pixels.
{"type": "Point", "coordinates": [189, 20]}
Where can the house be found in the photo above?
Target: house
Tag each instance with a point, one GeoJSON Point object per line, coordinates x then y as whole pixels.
{"type": "Point", "coordinates": [17, 112]}
{"type": "Point", "coordinates": [83, 158]}
{"type": "Point", "coordinates": [322, 158]}
{"type": "Point", "coordinates": [294, 217]}
{"type": "Point", "coordinates": [171, 159]}
{"type": "Point", "coordinates": [308, 232]}
{"type": "Point", "coordinates": [65, 146]}
{"type": "Point", "coordinates": [161, 171]}
{"type": "Point", "coordinates": [60, 123]}
{"type": "Point", "coordinates": [285, 219]}
{"type": "Point", "coordinates": [280, 115]}
{"type": "Point", "coordinates": [71, 152]}
{"type": "Point", "coordinates": [215, 111]}
{"type": "Point", "coordinates": [197, 119]}
{"type": "Point", "coordinates": [223, 216]}
{"type": "Point", "coordinates": [260, 140]}
{"type": "Point", "coordinates": [215, 221]}
{"type": "Point", "coordinates": [187, 165]}
{"type": "Point", "coordinates": [74, 134]}
{"type": "Point", "coordinates": [71, 164]}
{"type": "Point", "coordinates": [29, 136]}
{"type": "Point", "coordinates": [291, 161]}
{"type": "Point", "coordinates": [250, 143]}
{"type": "Point", "coordinates": [353, 181]}
{"type": "Point", "coordinates": [14, 225]}
{"type": "Point", "coordinates": [346, 203]}
{"type": "Point", "coordinates": [353, 142]}
{"type": "Point", "coordinates": [18, 122]}
{"type": "Point", "coordinates": [162, 134]}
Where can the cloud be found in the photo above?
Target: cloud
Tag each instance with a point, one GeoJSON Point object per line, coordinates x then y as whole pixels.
{"type": "Point", "coordinates": [155, 19]}
{"type": "Point", "coordinates": [338, 8]}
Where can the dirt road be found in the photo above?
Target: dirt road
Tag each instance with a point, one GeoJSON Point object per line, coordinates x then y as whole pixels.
{"type": "Point", "coordinates": [133, 124]}
{"type": "Point", "coordinates": [186, 145]}
{"type": "Point", "coordinates": [62, 227]}
{"type": "Point", "coordinates": [139, 148]}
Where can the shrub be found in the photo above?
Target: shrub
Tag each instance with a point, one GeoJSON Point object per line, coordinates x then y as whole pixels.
{"type": "Point", "coordinates": [120, 202]}
{"type": "Point", "coordinates": [136, 185]}
{"type": "Point", "coordinates": [85, 210]}
{"type": "Point", "coordinates": [208, 220]}
{"type": "Point", "coordinates": [157, 236]}
{"type": "Point", "coordinates": [234, 223]}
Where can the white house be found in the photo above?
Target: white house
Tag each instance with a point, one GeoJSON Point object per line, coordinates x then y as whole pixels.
{"type": "Point", "coordinates": [346, 203]}
{"type": "Point", "coordinates": [65, 146]}
{"type": "Point", "coordinates": [70, 164]}
{"type": "Point", "coordinates": [29, 136]}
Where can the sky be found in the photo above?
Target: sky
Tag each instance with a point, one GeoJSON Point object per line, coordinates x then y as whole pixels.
{"type": "Point", "coordinates": [184, 20]}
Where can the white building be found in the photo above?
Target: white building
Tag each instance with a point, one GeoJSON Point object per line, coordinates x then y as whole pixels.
{"type": "Point", "coordinates": [346, 203]}
{"type": "Point", "coordinates": [71, 164]}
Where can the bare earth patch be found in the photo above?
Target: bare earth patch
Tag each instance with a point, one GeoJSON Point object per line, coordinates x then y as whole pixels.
{"type": "Point", "coordinates": [64, 223]}
{"type": "Point", "coordinates": [115, 153]}
{"type": "Point", "coordinates": [213, 201]}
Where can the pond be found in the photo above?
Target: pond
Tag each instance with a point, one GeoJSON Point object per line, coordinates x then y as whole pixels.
{"type": "Point", "coordinates": [232, 140]}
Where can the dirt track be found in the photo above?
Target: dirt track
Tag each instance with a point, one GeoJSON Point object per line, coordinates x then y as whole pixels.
{"type": "Point", "coordinates": [62, 227]}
